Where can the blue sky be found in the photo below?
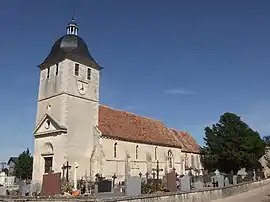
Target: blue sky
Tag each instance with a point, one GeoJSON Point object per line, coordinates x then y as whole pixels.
{"type": "Point", "coordinates": [182, 62]}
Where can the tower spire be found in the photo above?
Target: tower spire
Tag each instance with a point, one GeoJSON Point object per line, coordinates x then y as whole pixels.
{"type": "Point", "coordinates": [72, 28]}
{"type": "Point", "coordinates": [73, 15]}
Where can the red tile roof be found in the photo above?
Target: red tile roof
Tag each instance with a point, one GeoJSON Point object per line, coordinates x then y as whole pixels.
{"type": "Point", "coordinates": [187, 141]}
{"type": "Point", "coordinates": [127, 126]}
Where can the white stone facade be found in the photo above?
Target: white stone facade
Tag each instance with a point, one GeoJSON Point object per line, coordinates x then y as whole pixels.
{"type": "Point", "coordinates": [67, 125]}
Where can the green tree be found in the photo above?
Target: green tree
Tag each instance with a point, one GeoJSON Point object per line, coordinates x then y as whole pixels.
{"type": "Point", "coordinates": [231, 145]}
{"type": "Point", "coordinates": [24, 165]}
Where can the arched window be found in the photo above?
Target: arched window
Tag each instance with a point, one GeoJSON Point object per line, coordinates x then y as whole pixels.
{"type": "Point", "coordinates": [170, 159]}
{"type": "Point", "coordinates": [192, 162]}
{"type": "Point", "coordinates": [114, 150]}
{"type": "Point", "coordinates": [186, 160]}
{"type": "Point", "coordinates": [136, 152]}
{"type": "Point", "coordinates": [198, 161]}
{"type": "Point", "coordinates": [155, 153]}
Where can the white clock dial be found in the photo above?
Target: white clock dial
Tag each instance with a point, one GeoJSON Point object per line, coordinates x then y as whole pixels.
{"type": "Point", "coordinates": [82, 87]}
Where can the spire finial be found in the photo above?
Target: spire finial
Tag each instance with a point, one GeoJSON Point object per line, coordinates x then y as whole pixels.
{"type": "Point", "coordinates": [73, 15]}
{"type": "Point", "coordinates": [72, 27]}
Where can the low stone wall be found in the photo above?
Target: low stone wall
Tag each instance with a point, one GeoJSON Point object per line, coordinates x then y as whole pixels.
{"type": "Point", "coordinates": [199, 196]}
{"type": "Point", "coordinates": [206, 195]}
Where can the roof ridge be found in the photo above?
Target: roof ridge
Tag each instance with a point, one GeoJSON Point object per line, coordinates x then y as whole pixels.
{"type": "Point", "coordinates": [177, 130]}
{"type": "Point", "coordinates": [134, 114]}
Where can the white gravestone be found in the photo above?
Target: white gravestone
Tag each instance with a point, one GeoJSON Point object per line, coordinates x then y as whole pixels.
{"type": "Point", "coordinates": [226, 182]}
{"type": "Point", "coordinates": [133, 186]}
{"type": "Point", "coordinates": [185, 183]}
{"type": "Point", "coordinates": [76, 165]}
{"type": "Point", "coordinates": [235, 180]}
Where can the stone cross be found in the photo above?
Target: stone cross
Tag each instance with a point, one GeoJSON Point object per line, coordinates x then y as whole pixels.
{"type": "Point", "coordinates": [63, 169]}
{"type": "Point", "coordinates": [157, 169]}
{"type": "Point", "coordinates": [66, 167]}
{"type": "Point", "coordinates": [140, 174]}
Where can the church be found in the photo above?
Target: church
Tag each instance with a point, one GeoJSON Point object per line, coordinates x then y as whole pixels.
{"type": "Point", "coordinates": [72, 126]}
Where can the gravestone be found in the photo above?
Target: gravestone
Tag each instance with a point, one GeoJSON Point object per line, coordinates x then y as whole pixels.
{"type": "Point", "coordinates": [22, 188]}
{"type": "Point", "coordinates": [226, 182]}
{"type": "Point", "coordinates": [133, 186]}
{"type": "Point", "coordinates": [3, 191]}
{"type": "Point", "coordinates": [51, 184]}
{"type": "Point", "coordinates": [220, 179]}
{"type": "Point", "coordinates": [235, 180]}
{"type": "Point", "coordinates": [36, 188]}
{"type": "Point", "coordinates": [29, 189]}
{"type": "Point", "coordinates": [198, 185]}
{"type": "Point", "coordinates": [185, 183]}
{"type": "Point", "coordinates": [104, 186]}
{"type": "Point", "coordinates": [171, 181]}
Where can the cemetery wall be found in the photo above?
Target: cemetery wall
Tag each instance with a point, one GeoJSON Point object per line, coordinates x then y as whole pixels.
{"type": "Point", "coordinates": [200, 196]}
{"type": "Point", "coordinates": [195, 196]}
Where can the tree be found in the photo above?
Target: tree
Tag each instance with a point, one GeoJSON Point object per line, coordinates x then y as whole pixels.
{"type": "Point", "coordinates": [231, 145]}
{"type": "Point", "coordinates": [24, 165]}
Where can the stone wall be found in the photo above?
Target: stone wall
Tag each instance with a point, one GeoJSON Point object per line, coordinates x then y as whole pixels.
{"type": "Point", "coordinates": [196, 196]}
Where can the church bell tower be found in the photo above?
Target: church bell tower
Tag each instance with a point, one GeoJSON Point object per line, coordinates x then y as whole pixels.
{"type": "Point", "coordinates": [67, 106]}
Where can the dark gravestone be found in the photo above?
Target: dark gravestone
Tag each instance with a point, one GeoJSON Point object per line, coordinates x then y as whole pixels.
{"type": "Point", "coordinates": [51, 184]}
{"type": "Point", "coordinates": [171, 182]}
{"type": "Point", "coordinates": [104, 186]}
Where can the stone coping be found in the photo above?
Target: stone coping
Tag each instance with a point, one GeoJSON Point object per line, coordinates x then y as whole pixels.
{"type": "Point", "coordinates": [126, 198]}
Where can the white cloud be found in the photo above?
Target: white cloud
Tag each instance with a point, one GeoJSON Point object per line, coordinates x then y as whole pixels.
{"type": "Point", "coordinates": [178, 91]}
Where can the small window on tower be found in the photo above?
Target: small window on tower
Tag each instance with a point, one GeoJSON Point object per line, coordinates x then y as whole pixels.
{"type": "Point", "coordinates": [56, 70]}
{"type": "Point", "coordinates": [77, 69]}
{"type": "Point", "coordinates": [48, 72]}
{"type": "Point", "coordinates": [89, 74]}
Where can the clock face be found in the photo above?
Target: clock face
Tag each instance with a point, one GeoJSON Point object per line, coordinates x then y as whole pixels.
{"type": "Point", "coordinates": [82, 87]}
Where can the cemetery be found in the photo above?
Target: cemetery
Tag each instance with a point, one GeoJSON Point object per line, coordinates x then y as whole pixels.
{"type": "Point", "coordinates": [60, 186]}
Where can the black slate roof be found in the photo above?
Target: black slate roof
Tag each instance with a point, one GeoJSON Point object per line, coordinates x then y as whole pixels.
{"type": "Point", "coordinates": [70, 47]}
{"type": "Point", "coordinates": [12, 159]}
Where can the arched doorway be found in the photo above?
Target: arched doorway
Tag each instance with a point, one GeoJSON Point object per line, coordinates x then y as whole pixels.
{"type": "Point", "coordinates": [47, 154]}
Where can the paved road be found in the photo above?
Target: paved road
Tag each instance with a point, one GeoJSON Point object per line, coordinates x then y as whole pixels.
{"type": "Point", "coordinates": [256, 195]}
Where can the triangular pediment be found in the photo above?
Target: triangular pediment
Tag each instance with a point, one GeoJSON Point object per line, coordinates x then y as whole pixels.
{"type": "Point", "coordinates": [49, 125]}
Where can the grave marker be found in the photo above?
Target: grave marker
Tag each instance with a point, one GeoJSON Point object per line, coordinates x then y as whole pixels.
{"type": "Point", "coordinates": [171, 181]}
{"type": "Point", "coordinates": [51, 184]}
{"type": "Point", "coordinates": [157, 169]}
{"type": "Point", "coordinates": [185, 183]}
{"type": "Point", "coordinates": [22, 188]}
{"type": "Point", "coordinates": [133, 186]}
{"type": "Point", "coordinates": [104, 186]}
{"type": "Point", "coordinates": [198, 185]}
{"type": "Point", "coordinates": [226, 182]}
